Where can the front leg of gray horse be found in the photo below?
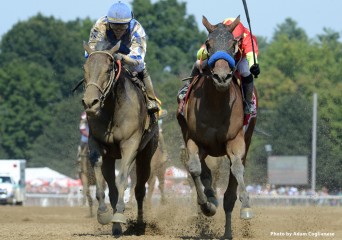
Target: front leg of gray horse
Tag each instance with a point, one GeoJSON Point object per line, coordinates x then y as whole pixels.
{"type": "Point", "coordinates": [128, 152]}
{"type": "Point", "coordinates": [104, 215]}
{"type": "Point", "coordinates": [194, 167]}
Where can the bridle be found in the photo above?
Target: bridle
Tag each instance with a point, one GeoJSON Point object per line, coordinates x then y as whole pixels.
{"type": "Point", "coordinates": [112, 79]}
{"type": "Point", "coordinates": [222, 55]}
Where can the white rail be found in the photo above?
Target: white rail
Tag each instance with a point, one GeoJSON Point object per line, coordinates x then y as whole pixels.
{"type": "Point", "coordinates": [46, 200]}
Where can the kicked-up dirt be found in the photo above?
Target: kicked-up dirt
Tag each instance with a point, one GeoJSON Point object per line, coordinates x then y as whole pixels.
{"type": "Point", "coordinates": [175, 220]}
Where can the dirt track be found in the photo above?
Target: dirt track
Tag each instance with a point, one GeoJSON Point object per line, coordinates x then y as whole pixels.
{"type": "Point", "coordinates": [169, 222]}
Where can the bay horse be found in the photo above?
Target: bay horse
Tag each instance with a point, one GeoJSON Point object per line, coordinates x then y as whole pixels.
{"type": "Point", "coordinates": [213, 125]}
{"type": "Point", "coordinates": [214, 164]}
{"type": "Point", "coordinates": [119, 128]}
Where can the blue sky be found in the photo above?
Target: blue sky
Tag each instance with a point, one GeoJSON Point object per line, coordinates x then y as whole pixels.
{"type": "Point", "coordinates": [265, 15]}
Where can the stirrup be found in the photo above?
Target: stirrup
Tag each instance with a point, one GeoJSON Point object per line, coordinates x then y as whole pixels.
{"type": "Point", "coordinates": [249, 108]}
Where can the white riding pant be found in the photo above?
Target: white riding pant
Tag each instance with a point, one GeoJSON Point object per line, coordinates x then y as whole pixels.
{"type": "Point", "coordinates": [243, 67]}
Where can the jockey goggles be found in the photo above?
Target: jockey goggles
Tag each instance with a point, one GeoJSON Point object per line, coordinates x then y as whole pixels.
{"type": "Point", "coordinates": [118, 26]}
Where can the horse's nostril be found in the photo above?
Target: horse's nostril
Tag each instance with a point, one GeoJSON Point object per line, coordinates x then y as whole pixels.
{"type": "Point", "coordinates": [83, 103]}
{"type": "Point", "coordinates": [89, 103]}
{"type": "Point", "coordinates": [95, 101]}
{"type": "Point", "coordinates": [217, 77]}
{"type": "Point", "coordinates": [229, 75]}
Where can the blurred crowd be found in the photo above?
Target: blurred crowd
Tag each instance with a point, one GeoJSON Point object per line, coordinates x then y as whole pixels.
{"type": "Point", "coordinates": [272, 190]}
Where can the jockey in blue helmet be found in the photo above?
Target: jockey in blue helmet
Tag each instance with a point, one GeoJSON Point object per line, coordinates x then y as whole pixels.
{"type": "Point", "coordinates": [120, 25]}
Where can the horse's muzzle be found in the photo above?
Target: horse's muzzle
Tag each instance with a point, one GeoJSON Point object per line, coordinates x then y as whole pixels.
{"type": "Point", "coordinates": [220, 84]}
{"type": "Point", "coordinates": [91, 105]}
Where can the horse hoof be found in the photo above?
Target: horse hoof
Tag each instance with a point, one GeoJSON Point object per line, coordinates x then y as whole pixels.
{"type": "Point", "coordinates": [208, 209]}
{"type": "Point", "coordinates": [228, 236]}
{"type": "Point", "coordinates": [246, 213]}
{"type": "Point", "coordinates": [116, 230]}
{"type": "Point", "coordinates": [119, 218]}
{"type": "Point", "coordinates": [104, 218]}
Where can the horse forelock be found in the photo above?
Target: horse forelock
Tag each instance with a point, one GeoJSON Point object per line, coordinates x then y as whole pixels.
{"type": "Point", "coordinates": [220, 38]}
{"type": "Point", "coordinates": [103, 45]}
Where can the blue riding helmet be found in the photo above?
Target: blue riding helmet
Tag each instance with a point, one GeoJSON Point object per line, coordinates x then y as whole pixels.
{"type": "Point", "coordinates": [119, 13]}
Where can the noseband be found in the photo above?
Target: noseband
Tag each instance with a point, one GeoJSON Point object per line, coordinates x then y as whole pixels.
{"type": "Point", "coordinates": [222, 55]}
{"type": "Point", "coordinates": [109, 86]}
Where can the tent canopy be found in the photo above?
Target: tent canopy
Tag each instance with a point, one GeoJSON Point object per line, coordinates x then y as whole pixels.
{"type": "Point", "coordinates": [43, 173]}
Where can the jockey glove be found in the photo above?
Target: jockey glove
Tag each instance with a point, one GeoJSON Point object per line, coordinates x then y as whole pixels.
{"type": "Point", "coordinates": [255, 70]}
{"type": "Point", "coordinates": [118, 56]}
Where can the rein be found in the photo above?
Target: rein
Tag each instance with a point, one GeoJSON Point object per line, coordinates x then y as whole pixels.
{"type": "Point", "coordinates": [108, 88]}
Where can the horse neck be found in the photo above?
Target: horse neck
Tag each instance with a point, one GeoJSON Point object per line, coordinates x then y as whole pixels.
{"type": "Point", "coordinates": [215, 99]}
{"type": "Point", "coordinates": [123, 90]}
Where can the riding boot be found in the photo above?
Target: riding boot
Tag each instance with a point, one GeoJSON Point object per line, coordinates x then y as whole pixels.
{"type": "Point", "coordinates": [152, 104]}
{"type": "Point", "coordinates": [182, 92]}
{"type": "Point", "coordinates": [194, 72]}
{"type": "Point", "coordinates": [248, 88]}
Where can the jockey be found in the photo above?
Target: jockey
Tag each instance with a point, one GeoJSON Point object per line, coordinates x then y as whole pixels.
{"type": "Point", "coordinates": [245, 64]}
{"type": "Point", "coordinates": [119, 24]}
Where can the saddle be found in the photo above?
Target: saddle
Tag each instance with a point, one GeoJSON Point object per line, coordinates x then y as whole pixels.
{"type": "Point", "coordinates": [137, 79]}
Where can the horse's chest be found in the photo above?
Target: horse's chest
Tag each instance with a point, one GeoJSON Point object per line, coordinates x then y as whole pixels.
{"type": "Point", "coordinates": [105, 133]}
{"type": "Point", "coordinates": [209, 131]}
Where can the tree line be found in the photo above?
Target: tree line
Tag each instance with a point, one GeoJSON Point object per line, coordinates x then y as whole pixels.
{"type": "Point", "coordinates": [41, 60]}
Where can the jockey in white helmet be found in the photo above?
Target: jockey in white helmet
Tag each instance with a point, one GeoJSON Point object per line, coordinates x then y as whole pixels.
{"type": "Point", "coordinates": [120, 25]}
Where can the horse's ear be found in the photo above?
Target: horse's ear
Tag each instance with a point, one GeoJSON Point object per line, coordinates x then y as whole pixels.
{"type": "Point", "coordinates": [115, 48]}
{"type": "Point", "coordinates": [233, 25]}
{"type": "Point", "coordinates": [87, 48]}
{"type": "Point", "coordinates": [207, 24]}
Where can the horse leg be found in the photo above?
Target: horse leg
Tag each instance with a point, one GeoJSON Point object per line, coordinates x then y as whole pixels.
{"type": "Point", "coordinates": [128, 154]}
{"type": "Point", "coordinates": [228, 205]}
{"type": "Point", "coordinates": [151, 182]}
{"type": "Point", "coordinates": [133, 183]}
{"type": "Point", "coordinates": [86, 192]}
{"type": "Point", "coordinates": [108, 171]}
{"type": "Point", "coordinates": [235, 152]}
{"type": "Point", "coordinates": [143, 164]}
{"type": "Point", "coordinates": [104, 216]}
{"type": "Point", "coordinates": [85, 163]}
{"type": "Point", "coordinates": [207, 181]}
{"type": "Point", "coordinates": [194, 167]}
{"type": "Point", "coordinates": [90, 201]}
{"type": "Point", "coordinates": [161, 179]}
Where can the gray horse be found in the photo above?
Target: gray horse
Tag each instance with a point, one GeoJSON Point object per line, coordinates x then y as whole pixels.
{"type": "Point", "coordinates": [119, 128]}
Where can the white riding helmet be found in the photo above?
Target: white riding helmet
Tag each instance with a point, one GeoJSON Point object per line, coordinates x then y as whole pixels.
{"type": "Point", "coordinates": [119, 13]}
